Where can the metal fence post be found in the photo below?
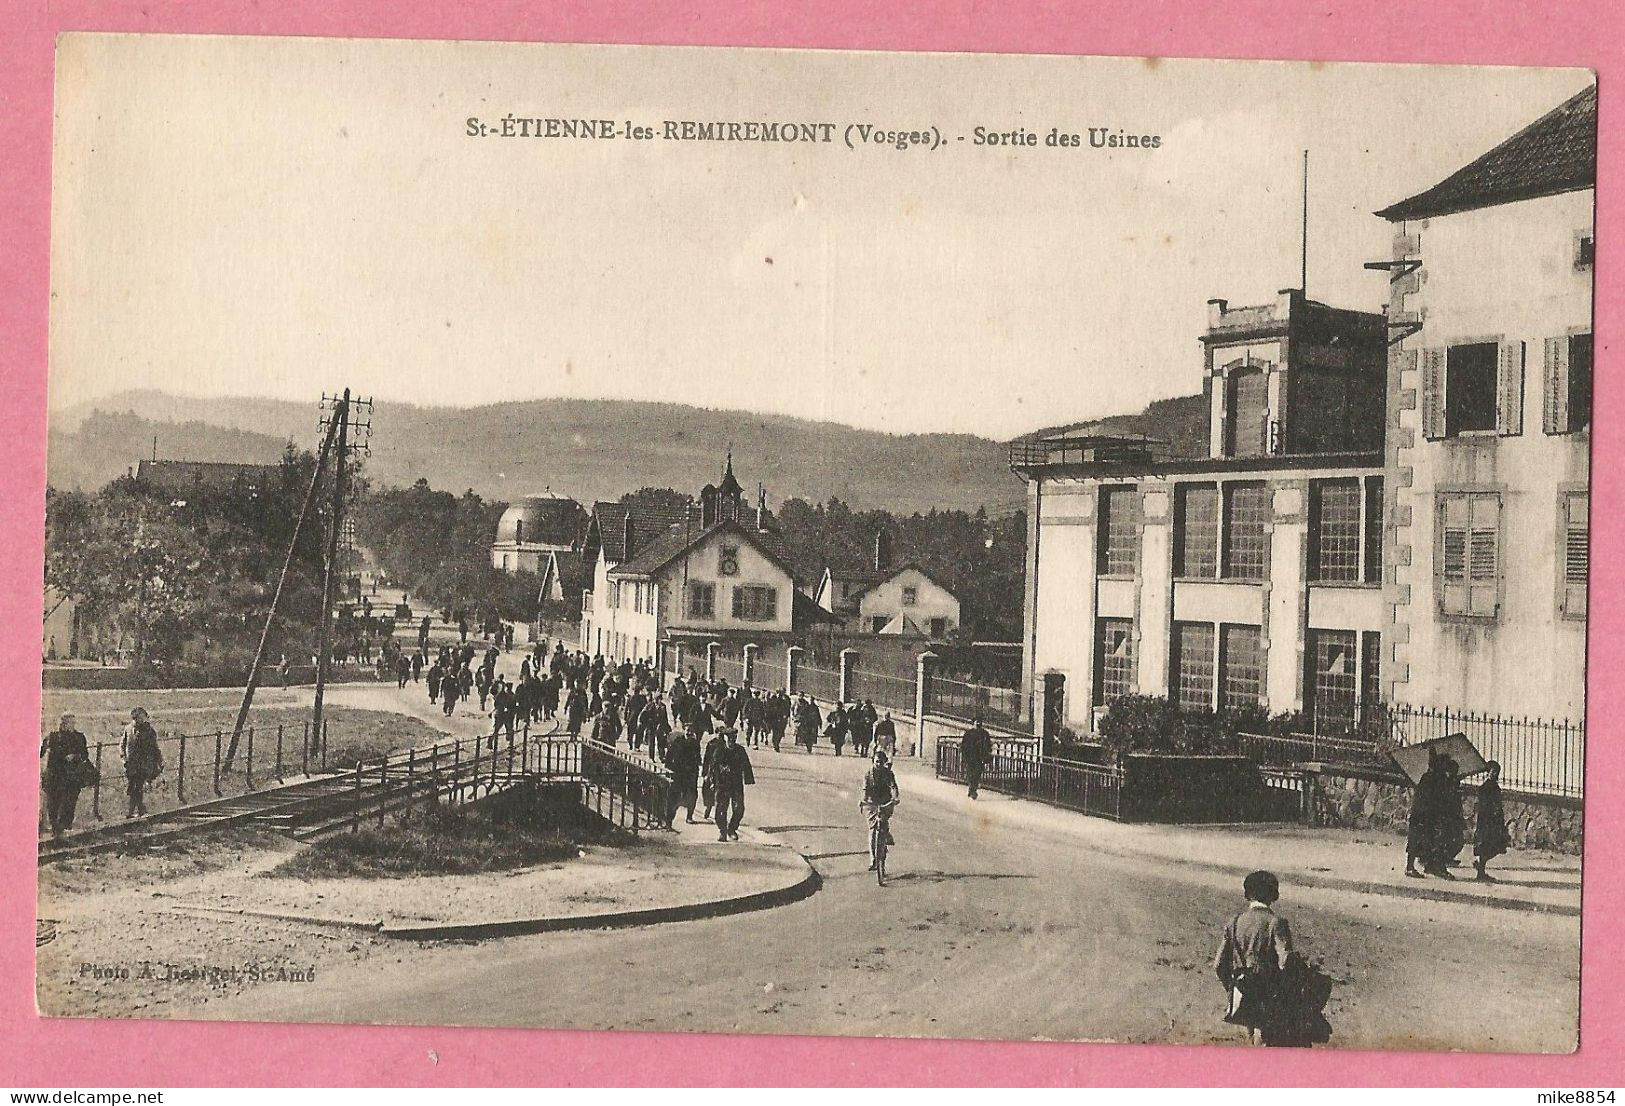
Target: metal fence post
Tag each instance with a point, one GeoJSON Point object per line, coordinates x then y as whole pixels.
{"type": "Point", "coordinates": [248, 764]}
{"type": "Point", "coordinates": [96, 790]}
{"type": "Point", "coordinates": [180, 774]}
{"type": "Point", "coordinates": [279, 754]}
{"type": "Point", "coordinates": [383, 788]}
{"type": "Point", "coordinates": [456, 773]}
{"type": "Point", "coordinates": [411, 779]}
{"type": "Point", "coordinates": [324, 744]}
{"type": "Point", "coordinates": [217, 762]}
{"type": "Point", "coordinates": [355, 813]}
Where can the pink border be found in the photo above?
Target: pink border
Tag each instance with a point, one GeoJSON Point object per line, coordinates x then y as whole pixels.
{"type": "Point", "coordinates": [66, 1053]}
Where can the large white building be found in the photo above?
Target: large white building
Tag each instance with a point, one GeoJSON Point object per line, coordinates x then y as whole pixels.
{"type": "Point", "coordinates": [1393, 510]}
{"type": "Point", "coordinates": [1489, 427]}
{"type": "Point", "coordinates": [883, 597]}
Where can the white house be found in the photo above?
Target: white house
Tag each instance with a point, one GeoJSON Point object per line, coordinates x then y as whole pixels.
{"type": "Point", "coordinates": [1489, 436]}
{"type": "Point", "coordinates": [886, 598]}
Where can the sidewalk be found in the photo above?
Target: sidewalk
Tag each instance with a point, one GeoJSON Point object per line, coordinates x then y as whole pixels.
{"type": "Point", "coordinates": [1363, 861]}
{"type": "Point", "coordinates": [665, 877]}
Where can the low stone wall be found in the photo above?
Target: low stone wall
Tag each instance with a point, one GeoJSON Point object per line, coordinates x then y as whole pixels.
{"type": "Point", "coordinates": [1372, 798]}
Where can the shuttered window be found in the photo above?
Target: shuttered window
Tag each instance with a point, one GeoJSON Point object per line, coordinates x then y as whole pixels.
{"type": "Point", "coordinates": [1468, 572]}
{"type": "Point", "coordinates": [1576, 552]}
{"type": "Point", "coordinates": [1566, 386]}
{"type": "Point", "coordinates": [1472, 387]}
{"type": "Point", "coordinates": [754, 603]}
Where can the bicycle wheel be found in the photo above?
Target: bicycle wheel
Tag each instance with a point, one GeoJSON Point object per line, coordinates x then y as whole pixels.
{"type": "Point", "coordinates": [879, 837]}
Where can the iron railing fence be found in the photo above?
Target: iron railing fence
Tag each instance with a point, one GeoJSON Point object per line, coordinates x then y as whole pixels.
{"type": "Point", "coordinates": [1001, 706]}
{"type": "Point", "coordinates": [1016, 768]}
{"type": "Point", "coordinates": [767, 676]}
{"type": "Point", "coordinates": [627, 788]}
{"type": "Point", "coordinates": [820, 683]}
{"type": "Point", "coordinates": [1541, 755]}
{"type": "Point", "coordinates": [195, 767]}
{"type": "Point", "coordinates": [884, 690]}
{"type": "Point", "coordinates": [731, 668]}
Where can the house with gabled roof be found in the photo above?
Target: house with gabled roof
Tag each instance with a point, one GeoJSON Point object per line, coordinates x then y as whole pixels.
{"type": "Point", "coordinates": [881, 597]}
{"type": "Point", "coordinates": [712, 572]}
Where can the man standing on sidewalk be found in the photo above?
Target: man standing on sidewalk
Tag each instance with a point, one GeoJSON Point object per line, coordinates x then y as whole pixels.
{"type": "Point", "coordinates": [975, 746]}
{"type": "Point", "coordinates": [730, 773]}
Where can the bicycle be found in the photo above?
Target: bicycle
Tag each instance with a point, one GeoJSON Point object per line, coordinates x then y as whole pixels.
{"type": "Point", "coordinates": [879, 831]}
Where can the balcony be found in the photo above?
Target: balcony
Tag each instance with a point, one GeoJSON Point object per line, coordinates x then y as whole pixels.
{"type": "Point", "coordinates": [1086, 453]}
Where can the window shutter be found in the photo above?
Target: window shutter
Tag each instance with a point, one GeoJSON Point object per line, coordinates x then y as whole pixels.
{"type": "Point", "coordinates": [1483, 555]}
{"type": "Point", "coordinates": [1452, 569]}
{"type": "Point", "coordinates": [1432, 393]}
{"type": "Point", "coordinates": [1556, 403]}
{"type": "Point", "coordinates": [1509, 389]}
{"type": "Point", "coordinates": [1576, 553]}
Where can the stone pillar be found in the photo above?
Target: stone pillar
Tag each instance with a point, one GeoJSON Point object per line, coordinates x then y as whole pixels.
{"type": "Point", "coordinates": [676, 648]}
{"type": "Point", "coordinates": [849, 659]}
{"type": "Point", "coordinates": [792, 666]}
{"type": "Point", "coordinates": [922, 671]}
{"type": "Point", "coordinates": [750, 665]}
{"type": "Point", "coordinates": [712, 648]}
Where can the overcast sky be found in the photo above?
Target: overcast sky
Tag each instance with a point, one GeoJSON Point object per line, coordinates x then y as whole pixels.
{"type": "Point", "coordinates": [282, 216]}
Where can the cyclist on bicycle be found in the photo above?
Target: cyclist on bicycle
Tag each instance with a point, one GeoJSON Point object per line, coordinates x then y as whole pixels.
{"type": "Point", "coordinates": [880, 796]}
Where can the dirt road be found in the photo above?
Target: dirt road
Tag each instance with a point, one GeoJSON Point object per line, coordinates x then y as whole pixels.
{"type": "Point", "coordinates": [986, 931]}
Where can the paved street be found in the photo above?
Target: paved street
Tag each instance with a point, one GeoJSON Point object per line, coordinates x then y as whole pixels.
{"type": "Point", "coordinates": [990, 928]}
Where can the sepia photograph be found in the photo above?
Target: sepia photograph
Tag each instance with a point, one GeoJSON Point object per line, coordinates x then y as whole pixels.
{"type": "Point", "coordinates": [812, 542]}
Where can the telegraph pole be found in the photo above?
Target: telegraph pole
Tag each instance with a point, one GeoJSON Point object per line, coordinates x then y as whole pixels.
{"type": "Point", "coordinates": [276, 597]}
{"type": "Point", "coordinates": [344, 417]}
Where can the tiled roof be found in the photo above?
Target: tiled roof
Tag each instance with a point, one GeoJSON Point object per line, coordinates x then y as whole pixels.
{"type": "Point", "coordinates": [647, 522]}
{"type": "Point", "coordinates": [1556, 153]}
{"type": "Point", "coordinates": [679, 539]}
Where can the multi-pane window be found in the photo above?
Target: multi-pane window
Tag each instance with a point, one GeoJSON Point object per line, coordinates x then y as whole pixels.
{"type": "Point", "coordinates": [1370, 671]}
{"type": "Point", "coordinates": [1469, 390]}
{"type": "Point", "coordinates": [1333, 676]}
{"type": "Point", "coordinates": [1241, 667]}
{"type": "Point", "coordinates": [1246, 543]}
{"type": "Point", "coordinates": [1576, 552]}
{"type": "Point", "coordinates": [1196, 531]}
{"type": "Point", "coordinates": [1114, 653]}
{"type": "Point", "coordinates": [702, 599]}
{"type": "Point", "coordinates": [1468, 566]}
{"type": "Point", "coordinates": [755, 603]}
{"type": "Point", "coordinates": [1334, 530]}
{"type": "Point", "coordinates": [939, 627]}
{"type": "Point", "coordinates": [1118, 526]}
{"type": "Point", "coordinates": [1345, 530]}
{"type": "Point", "coordinates": [1193, 665]}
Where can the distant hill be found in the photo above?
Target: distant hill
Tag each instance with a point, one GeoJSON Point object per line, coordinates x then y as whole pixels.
{"type": "Point", "coordinates": [588, 449]}
{"type": "Point", "coordinates": [1180, 421]}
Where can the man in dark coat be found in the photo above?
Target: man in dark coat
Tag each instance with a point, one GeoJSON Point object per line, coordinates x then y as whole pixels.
{"type": "Point", "coordinates": [808, 721]}
{"type": "Point", "coordinates": [66, 755]}
{"type": "Point", "coordinates": [729, 775]}
{"type": "Point", "coordinates": [708, 791]}
{"type": "Point", "coordinates": [1423, 831]}
{"type": "Point", "coordinates": [143, 761]}
{"type": "Point", "coordinates": [505, 708]}
{"type": "Point", "coordinates": [1490, 837]}
{"type": "Point", "coordinates": [575, 711]}
{"type": "Point", "coordinates": [683, 762]}
{"type": "Point", "coordinates": [975, 747]}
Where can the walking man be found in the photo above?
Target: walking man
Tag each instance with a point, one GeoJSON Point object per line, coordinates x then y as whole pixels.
{"type": "Point", "coordinates": [143, 761]}
{"type": "Point", "coordinates": [730, 774]}
{"type": "Point", "coordinates": [66, 758]}
{"type": "Point", "coordinates": [975, 746]}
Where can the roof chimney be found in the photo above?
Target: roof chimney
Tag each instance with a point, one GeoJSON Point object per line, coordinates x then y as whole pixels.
{"type": "Point", "coordinates": [626, 537]}
{"type": "Point", "coordinates": [761, 507]}
{"type": "Point", "coordinates": [882, 551]}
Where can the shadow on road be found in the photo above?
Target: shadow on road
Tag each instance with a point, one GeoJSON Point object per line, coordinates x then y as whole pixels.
{"type": "Point", "coordinates": [944, 877]}
{"type": "Point", "coordinates": [798, 829]}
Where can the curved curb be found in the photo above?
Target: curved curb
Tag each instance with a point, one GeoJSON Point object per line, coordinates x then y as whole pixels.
{"type": "Point", "coordinates": [808, 883]}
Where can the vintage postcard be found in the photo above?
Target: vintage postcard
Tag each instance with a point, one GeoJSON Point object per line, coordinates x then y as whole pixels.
{"type": "Point", "coordinates": [759, 541]}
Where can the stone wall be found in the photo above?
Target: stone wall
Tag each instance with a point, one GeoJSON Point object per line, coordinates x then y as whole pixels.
{"type": "Point", "coordinates": [1364, 798]}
